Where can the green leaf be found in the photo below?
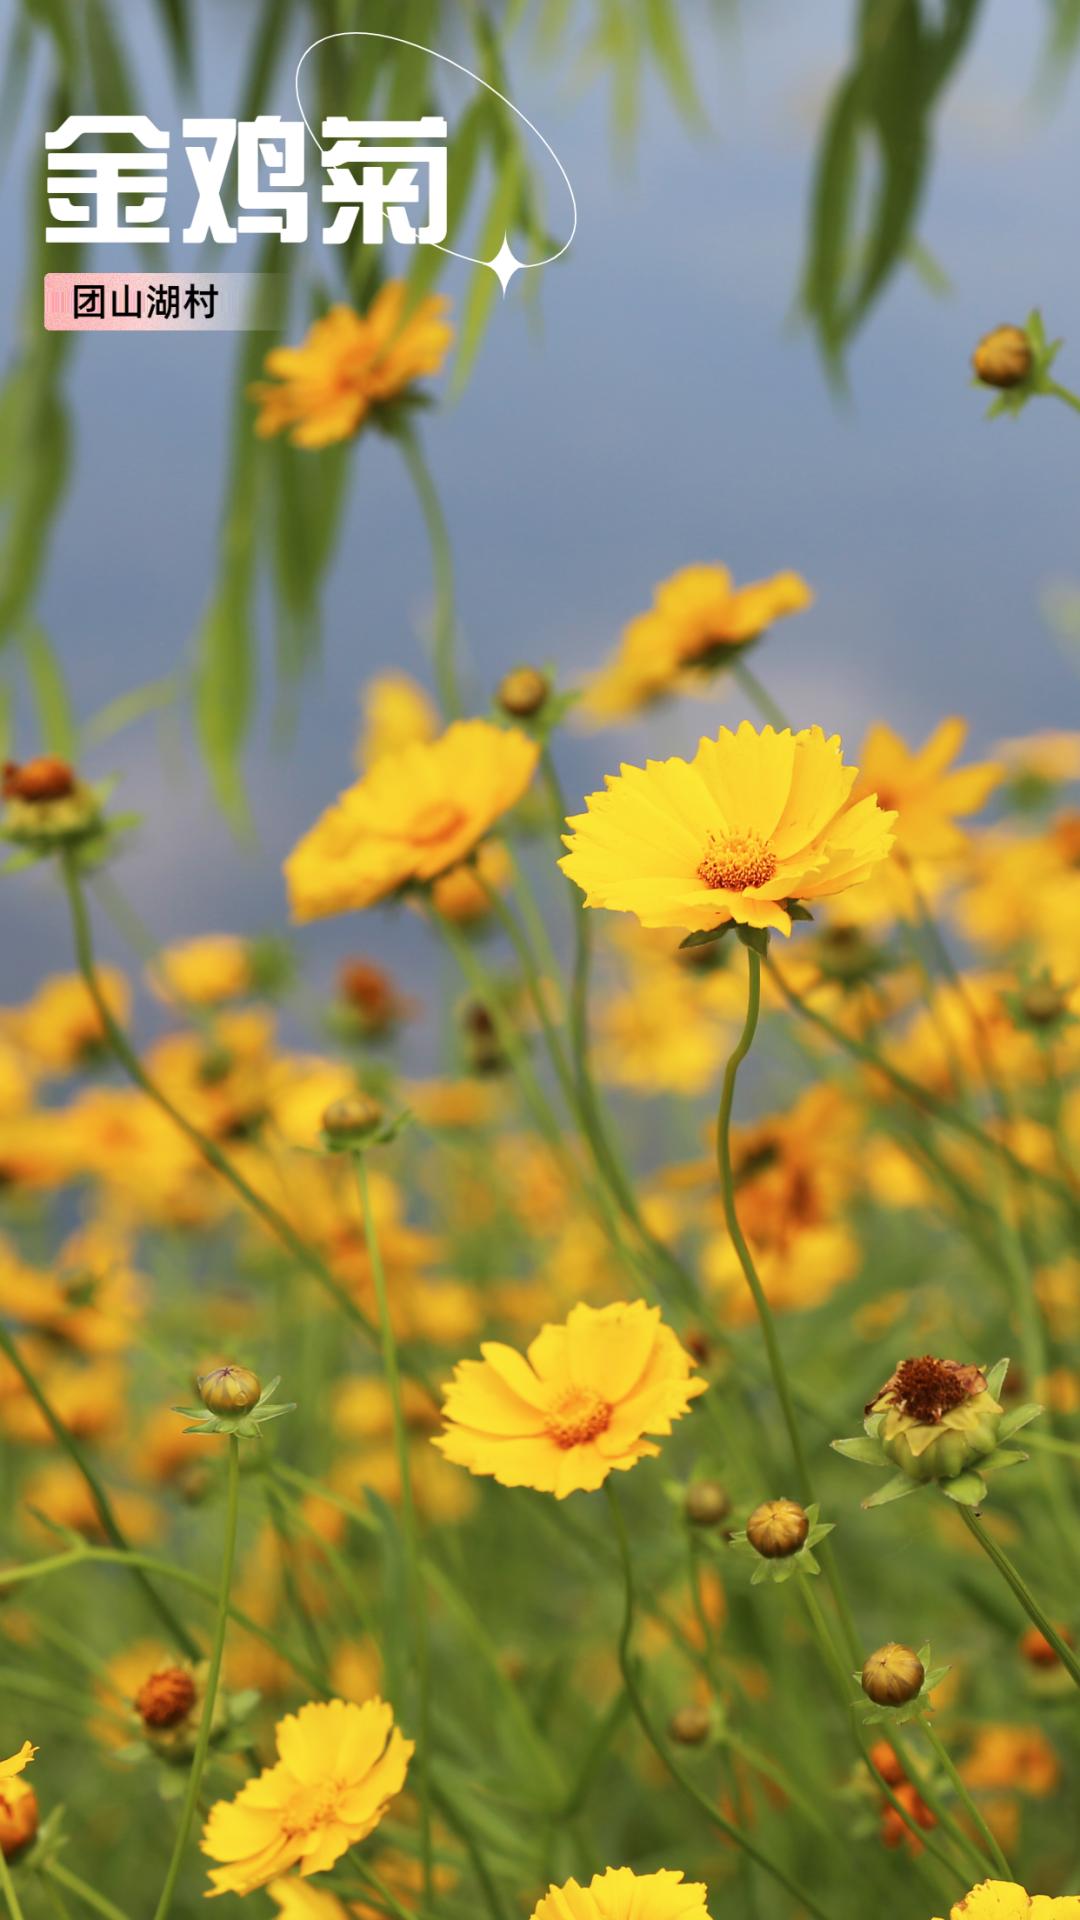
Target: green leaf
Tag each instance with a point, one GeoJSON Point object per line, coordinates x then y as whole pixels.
{"type": "Point", "coordinates": [967, 1489]}
{"type": "Point", "coordinates": [868, 1452]}
{"type": "Point", "coordinates": [56, 720]}
{"type": "Point", "coordinates": [897, 1488]}
{"type": "Point", "coordinates": [1018, 1417]}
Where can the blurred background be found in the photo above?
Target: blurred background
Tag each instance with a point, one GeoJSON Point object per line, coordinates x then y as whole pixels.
{"type": "Point", "coordinates": [654, 399]}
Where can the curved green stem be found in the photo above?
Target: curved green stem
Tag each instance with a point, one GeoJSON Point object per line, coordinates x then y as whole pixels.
{"type": "Point", "coordinates": [87, 1894]}
{"type": "Point", "coordinates": [1059, 392]}
{"type": "Point", "coordinates": [1015, 1580]}
{"type": "Point", "coordinates": [738, 1239]}
{"type": "Point", "coordinates": [7, 1888]}
{"type": "Point", "coordinates": [213, 1675]}
{"type": "Point", "coordinates": [993, 1849]}
{"type": "Point", "coordinates": [641, 1713]}
{"type": "Point", "coordinates": [417, 1593]}
{"type": "Point", "coordinates": [102, 1504]}
{"type": "Point", "coordinates": [444, 632]}
{"type": "Point", "coordinates": [759, 695]}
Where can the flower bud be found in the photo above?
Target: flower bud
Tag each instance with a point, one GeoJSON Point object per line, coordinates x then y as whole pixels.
{"type": "Point", "coordinates": [522, 693]}
{"type": "Point", "coordinates": [1002, 357]}
{"type": "Point", "coordinates": [893, 1675]}
{"type": "Point", "coordinates": [777, 1528]}
{"type": "Point", "coordinates": [18, 1816]}
{"type": "Point", "coordinates": [45, 802]}
{"type": "Point", "coordinates": [370, 994]}
{"type": "Point", "coordinates": [1044, 1004]}
{"type": "Point", "coordinates": [707, 1503]}
{"type": "Point", "coordinates": [689, 1726]}
{"type": "Point", "coordinates": [352, 1118]}
{"type": "Point", "coordinates": [938, 1417]}
{"type": "Point", "coordinates": [166, 1697]}
{"type": "Point", "coordinates": [229, 1389]}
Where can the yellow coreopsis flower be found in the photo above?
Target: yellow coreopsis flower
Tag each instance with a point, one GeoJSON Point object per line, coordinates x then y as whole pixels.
{"type": "Point", "coordinates": [622, 1894]}
{"type": "Point", "coordinates": [395, 711]}
{"type": "Point", "coordinates": [929, 793]}
{"type": "Point", "coordinates": [338, 1768]}
{"type": "Point", "coordinates": [574, 1409]}
{"type": "Point", "coordinates": [755, 822]}
{"type": "Point", "coordinates": [698, 617]}
{"type": "Point", "coordinates": [349, 363]}
{"type": "Point", "coordinates": [413, 816]}
{"type": "Point", "coordinates": [204, 972]}
{"type": "Point", "coordinates": [1003, 1900]}
{"type": "Point", "coordinates": [59, 1027]}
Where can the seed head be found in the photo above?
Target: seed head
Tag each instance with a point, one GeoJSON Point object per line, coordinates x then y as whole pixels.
{"type": "Point", "coordinates": [229, 1389]}
{"type": "Point", "coordinates": [165, 1698]}
{"type": "Point", "coordinates": [893, 1675]}
{"type": "Point", "coordinates": [777, 1528]}
{"type": "Point", "coordinates": [46, 778]}
{"type": "Point", "coordinates": [1002, 357]}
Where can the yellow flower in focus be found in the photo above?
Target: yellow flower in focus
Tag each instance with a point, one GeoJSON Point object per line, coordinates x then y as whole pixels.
{"type": "Point", "coordinates": [1003, 1900]}
{"type": "Point", "coordinates": [338, 1768]}
{"type": "Point", "coordinates": [395, 713]}
{"type": "Point", "coordinates": [60, 1027]}
{"type": "Point", "coordinates": [414, 816]}
{"type": "Point", "coordinates": [754, 822]}
{"type": "Point", "coordinates": [697, 618]}
{"type": "Point", "coordinates": [205, 972]}
{"type": "Point", "coordinates": [576, 1408]}
{"type": "Point", "coordinates": [621, 1894]}
{"type": "Point", "coordinates": [322, 390]}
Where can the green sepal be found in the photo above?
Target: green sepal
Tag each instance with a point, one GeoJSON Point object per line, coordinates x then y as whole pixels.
{"type": "Point", "coordinates": [967, 1489]}
{"type": "Point", "coordinates": [995, 1377]}
{"type": "Point", "coordinates": [243, 1424]}
{"type": "Point", "coordinates": [1018, 1417]}
{"type": "Point", "coordinates": [706, 936]}
{"type": "Point", "coordinates": [895, 1489]}
{"type": "Point", "coordinates": [868, 1451]}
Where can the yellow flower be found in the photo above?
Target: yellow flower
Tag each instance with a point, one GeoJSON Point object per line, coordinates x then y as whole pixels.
{"type": "Point", "coordinates": [752, 823]}
{"type": "Point", "coordinates": [698, 617]}
{"type": "Point", "coordinates": [60, 1027]}
{"type": "Point", "coordinates": [415, 815]}
{"type": "Point", "coordinates": [349, 363]}
{"type": "Point", "coordinates": [924, 787]}
{"type": "Point", "coordinates": [338, 1768]}
{"type": "Point", "coordinates": [18, 1761]}
{"type": "Point", "coordinates": [395, 713]}
{"type": "Point", "coordinates": [1003, 1900]}
{"type": "Point", "coordinates": [204, 972]}
{"type": "Point", "coordinates": [576, 1408]}
{"type": "Point", "coordinates": [622, 1894]}
{"type": "Point", "coordinates": [1020, 1758]}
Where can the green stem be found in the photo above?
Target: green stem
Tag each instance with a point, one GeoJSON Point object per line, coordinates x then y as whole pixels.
{"type": "Point", "coordinates": [991, 1844]}
{"type": "Point", "coordinates": [444, 630]}
{"type": "Point", "coordinates": [738, 1239]}
{"type": "Point", "coordinates": [417, 1593]}
{"type": "Point", "coordinates": [102, 1504]}
{"type": "Point", "coordinates": [208, 1149]}
{"type": "Point", "coordinates": [1015, 1580]}
{"type": "Point", "coordinates": [87, 1894]}
{"type": "Point", "coordinates": [1062, 393]}
{"type": "Point", "coordinates": [641, 1712]}
{"type": "Point", "coordinates": [202, 1739]}
{"type": "Point", "coordinates": [7, 1888]}
{"type": "Point", "coordinates": [758, 694]}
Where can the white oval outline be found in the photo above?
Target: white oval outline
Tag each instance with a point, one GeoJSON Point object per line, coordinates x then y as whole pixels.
{"type": "Point", "coordinates": [364, 33]}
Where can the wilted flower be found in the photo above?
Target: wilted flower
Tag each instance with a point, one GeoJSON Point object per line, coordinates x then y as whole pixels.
{"type": "Point", "coordinates": [939, 1417]}
{"type": "Point", "coordinates": [339, 1766]}
{"type": "Point", "coordinates": [350, 363]}
{"type": "Point", "coordinates": [892, 1675]}
{"type": "Point", "coordinates": [753, 824]}
{"type": "Point", "coordinates": [416, 814]}
{"type": "Point", "coordinates": [577, 1408]}
{"type": "Point", "coordinates": [45, 802]}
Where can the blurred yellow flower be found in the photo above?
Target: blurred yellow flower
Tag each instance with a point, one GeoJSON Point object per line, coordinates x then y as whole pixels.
{"type": "Point", "coordinates": [415, 815]}
{"type": "Point", "coordinates": [323, 390]}
{"type": "Point", "coordinates": [395, 713]}
{"type": "Point", "coordinates": [204, 972]}
{"type": "Point", "coordinates": [60, 1028]}
{"type": "Point", "coordinates": [1003, 1900]}
{"type": "Point", "coordinates": [927, 792]}
{"type": "Point", "coordinates": [17, 1762]}
{"type": "Point", "coordinates": [1020, 1758]}
{"type": "Point", "coordinates": [339, 1766]}
{"type": "Point", "coordinates": [621, 1894]}
{"type": "Point", "coordinates": [576, 1408]}
{"type": "Point", "coordinates": [754, 822]}
{"type": "Point", "coordinates": [698, 617]}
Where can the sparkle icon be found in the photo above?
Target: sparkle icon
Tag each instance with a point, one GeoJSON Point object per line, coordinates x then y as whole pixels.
{"type": "Point", "coordinates": [505, 264]}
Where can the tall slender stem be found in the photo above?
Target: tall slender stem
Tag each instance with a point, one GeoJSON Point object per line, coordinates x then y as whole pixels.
{"type": "Point", "coordinates": [655, 1739]}
{"type": "Point", "coordinates": [417, 1592]}
{"type": "Point", "coordinates": [989, 1840]}
{"type": "Point", "coordinates": [758, 694]}
{"type": "Point", "coordinates": [444, 629]}
{"type": "Point", "coordinates": [213, 1675]}
{"type": "Point", "coordinates": [7, 1888]}
{"type": "Point", "coordinates": [90, 1896]}
{"type": "Point", "coordinates": [1014, 1579]}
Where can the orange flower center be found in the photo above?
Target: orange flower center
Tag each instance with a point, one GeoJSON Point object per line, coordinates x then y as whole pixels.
{"type": "Point", "coordinates": [737, 861]}
{"type": "Point", "coordinates": [311, 1807]}
{"type": "Point", "coordinates": [437, 821]}
{"type": "Point", "coordinates": [578, 1415]}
